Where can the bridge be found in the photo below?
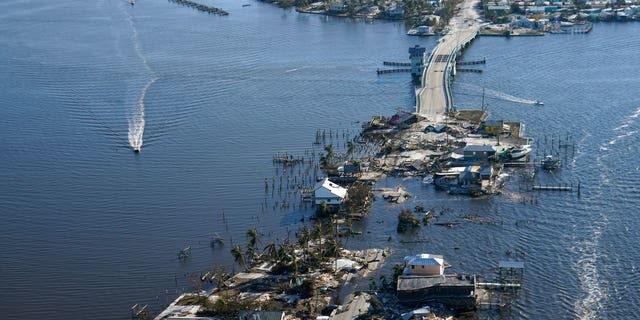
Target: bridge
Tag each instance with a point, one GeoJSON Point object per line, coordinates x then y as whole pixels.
{"type": "Point", "coordinates": [434, 98]}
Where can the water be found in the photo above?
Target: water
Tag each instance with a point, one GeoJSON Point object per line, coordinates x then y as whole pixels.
{"type": "Point", "coordinates": [90, 228]}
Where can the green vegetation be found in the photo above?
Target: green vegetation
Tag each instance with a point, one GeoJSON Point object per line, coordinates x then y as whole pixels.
{"type": "Point", "coordinates": [407, 221]}
{"type": "Point", "coordinates": [288, 3]}
{"type": "Point", "coordinates": [229, 304]}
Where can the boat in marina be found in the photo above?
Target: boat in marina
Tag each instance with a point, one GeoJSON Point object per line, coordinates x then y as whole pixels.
{"type": "Point", "coordinates": [428, 179]}
{"type": "Point", "coordinates": [514, 153]}
{"type": "Point", "coordinates": [518, 152]}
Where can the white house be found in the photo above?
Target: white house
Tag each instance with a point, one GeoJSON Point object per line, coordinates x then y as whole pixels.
{"type": "Point", "coordinates": [373, 10]}
{"type": "Point", "coordinates": [329, 193]}
{"type": "Point", "coordinates": [424, 265]}
{"type": "Point", "coordinates": [338, 6]}
{"type": "Point", "coordinates": [395, 10]}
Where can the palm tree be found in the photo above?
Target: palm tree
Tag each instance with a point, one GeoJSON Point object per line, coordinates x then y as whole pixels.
{"type": "Point", "coordinates": [271, 252]}
{"type": "Point", "coordinates": [303, 240]}
{"type": "Point", "coordinates": [238, 256]}
{"type": "Point", "coordinates": [350, 147]}
{"type": "Point", "coordinates": [329, 150]}
{"type": "Point", "coordinates": [252, 234]}
{"type": "Point", "coordinates": [332, 247]}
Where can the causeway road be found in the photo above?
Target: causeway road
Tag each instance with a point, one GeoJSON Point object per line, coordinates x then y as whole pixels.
{"type": "Point", "coordinates": [434, 98]}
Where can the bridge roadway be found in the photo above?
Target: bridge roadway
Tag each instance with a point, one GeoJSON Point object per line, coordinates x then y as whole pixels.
{"type": "Point", "coordinates": [434, 99]}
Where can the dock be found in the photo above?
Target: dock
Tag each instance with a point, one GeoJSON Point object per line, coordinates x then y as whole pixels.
{"type": "Point", "coordinates": [201, 7]}
{"type": "Point", "coordinates": [469, 70]}
{"type": "Point", "coordinates": [400, 64]}
{"type": "Point", "coordinates": [385, 71]}
{"type": "Point", "coordinates": [553, 188]}
{"type": "Point", "coordinates": [465, 63]}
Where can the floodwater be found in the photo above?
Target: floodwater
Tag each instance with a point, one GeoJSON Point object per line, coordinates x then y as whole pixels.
{"type": "Point", "coordinates": [91, 228]}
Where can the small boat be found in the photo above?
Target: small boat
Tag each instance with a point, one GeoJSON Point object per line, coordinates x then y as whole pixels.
{"type": "Point", "coordinates": [137, 149]}
{"type": "Point", "coordinates": [518, 152]}
{"type": "Point", "coordinates": [132, 2]}
{"type": "Point", "coordinates": [246, 5]}
{"type": "Point", "coordinates": [539, 103]}
{"type": "Point", "coordinates": [427, 179]}
{"type": "Point", "coordinates": [550, 163]}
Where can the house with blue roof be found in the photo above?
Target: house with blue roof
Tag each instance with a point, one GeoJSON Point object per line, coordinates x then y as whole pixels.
{"type": "Point", "coordinates": [424, 264]}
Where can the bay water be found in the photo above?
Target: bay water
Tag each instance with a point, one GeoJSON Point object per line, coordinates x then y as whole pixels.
{"type": "Point", "coordinates": [90, 228]}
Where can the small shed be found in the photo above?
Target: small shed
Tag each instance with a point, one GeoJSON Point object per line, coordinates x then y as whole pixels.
{"type": "Point", "coordinates": [329, 193]}
{"type": "Point", "coordinates": [493, 127]}
{"type": "Point", "coordinates": [424, 264]}
{"type": "Point", "coordinates": [403, 118]}
{"type": "Point", "coordinates": [478, 152]}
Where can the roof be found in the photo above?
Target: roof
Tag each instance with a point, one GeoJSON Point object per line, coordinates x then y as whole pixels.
{"type": "Point", "coordinates": [401, 117]}
{"type": "Point", "coordinates": [410, 283]}
{"type": "Point", "coordinates": [333, 188]}
{"type": "Point", "coordinates": [425, 259]}
{"type": "Point", "coordinates": [493, 123]}
{"type": "Point", "coordinates": [479, 148]}
{"type": "Point", "coordinates": [417, 50]}
{"type": "Point", "coordinates": [260, 315]}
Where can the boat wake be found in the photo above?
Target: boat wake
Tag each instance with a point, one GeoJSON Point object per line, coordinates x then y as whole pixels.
{"type": "Point", "coordinates": [623, 128]}
{"type": "Point", "coordinates": [588, 265]}
{"type": "Point", "coordinates": [136, 122]}
{"type": "Point", "coordinates": [498, 95]}
{"type": "Point", "coordinates": [297, 69]}
{"type": "Point", "coordinates": [137, 117]}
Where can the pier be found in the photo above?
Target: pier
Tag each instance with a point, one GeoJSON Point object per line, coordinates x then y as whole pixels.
{"type": "Point", "coordinates": [434, 98]}
{"type": "Point", "coordinates": [393, 63]}
{"type": "Point", "coordinates": [385, 71]}
{"type": "Point", "coordinates": [464, 63]}
{"type": "Point", "coordinates": [201, 7]}
{"type": "Point", "coordinates": [559, 187]}
{"type": "Point", "coordinates": [469, 70]}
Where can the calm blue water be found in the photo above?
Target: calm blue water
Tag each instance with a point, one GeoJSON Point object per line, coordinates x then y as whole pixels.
{"type": "Point", "coordinates": [89, 228]}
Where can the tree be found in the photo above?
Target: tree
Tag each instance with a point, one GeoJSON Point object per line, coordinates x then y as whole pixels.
{"type": "Point", "coordinates": [406, 221]}
{"type": "Point", "coordinates": [329, 150]}
{"type": "Point", "coordinates": [350, 147]}
{"type": "Point", "coordinates": [252, 234]}
{"type": "Point", "coordinates": [219, 276]}
{"type": "Point", "coordinates": [332, 247]}
{"type": "Point", "coordinates": [271, 251]}
{"type": "Point", "coordinates": [238, 256]}
{"type": "Point", "coordinates": [196, 281]}
{"type": "Point", "coordinates": [303, 240]}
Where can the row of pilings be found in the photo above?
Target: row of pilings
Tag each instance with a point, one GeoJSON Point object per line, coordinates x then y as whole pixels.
{"type": "Point", "coordinates": [201, 7]}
